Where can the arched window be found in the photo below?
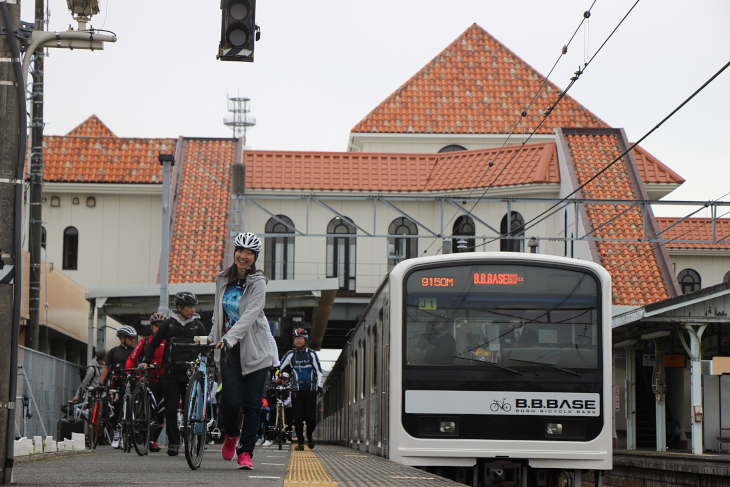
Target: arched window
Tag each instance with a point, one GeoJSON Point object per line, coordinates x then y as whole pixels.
{"type": "Point", "coordinates": [689, 280]}
{"type": "Point", "coordinates": [451, 148]}
{"type": "Point", "coordinates": [516, 229]}
{"type": "Point", "coordinates": [341, 252]}
{"type": "Point", "coordinates": [727, 277]}
{"type": "Point", "coordinates": [279, 262]}
{"type": "Point", "coordinates": [70, 248]}
{"type": "Point", "coordinates": [463, 227]}
{"type": "Point", "coordinates": [400, 248]}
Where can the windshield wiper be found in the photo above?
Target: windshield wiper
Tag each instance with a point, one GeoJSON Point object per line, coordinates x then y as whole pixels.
{"type": "Point", "coordinates": [547, 365]}
{"type": "Point", "coordinates": [490, 363]}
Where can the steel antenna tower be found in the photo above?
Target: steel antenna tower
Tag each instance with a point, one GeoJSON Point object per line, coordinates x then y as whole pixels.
{"type": "Point", "coordinates": [239, 121]}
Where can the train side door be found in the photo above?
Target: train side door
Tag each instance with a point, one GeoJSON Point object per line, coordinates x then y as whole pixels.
{"type": "Point", "coordinates": [384, 368]}
{"type": "Point", "coordinates": [377, 386]}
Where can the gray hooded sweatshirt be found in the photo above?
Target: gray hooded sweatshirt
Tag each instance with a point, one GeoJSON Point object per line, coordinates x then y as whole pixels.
{"type": "Point", "coordinates": [252, 328]}
{"type": "Point", "coordinates": [91, 379]}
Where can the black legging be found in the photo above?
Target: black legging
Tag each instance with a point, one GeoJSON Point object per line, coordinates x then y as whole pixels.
{"type": "Point", "coordinates": [158, 409]}
{"type": "Point", "coordinates": [173, 387]}
{"type": "Point", "coordinates": [304, 408]}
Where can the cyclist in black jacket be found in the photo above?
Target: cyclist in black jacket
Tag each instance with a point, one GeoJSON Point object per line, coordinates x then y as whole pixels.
{"type": "Point", "coordinates": [116, 359]}
{"type": "Point", "coordinates": [182, 326]}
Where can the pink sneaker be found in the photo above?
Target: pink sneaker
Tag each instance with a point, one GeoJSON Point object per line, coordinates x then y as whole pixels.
{"type": "Point", "coordinates": [244, 461]}
{"type": "Point", "coordinates": [229, 447]}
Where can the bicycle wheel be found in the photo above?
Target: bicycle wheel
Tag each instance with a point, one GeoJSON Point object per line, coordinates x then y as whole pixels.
{"type": "Point", "coordinates": [127, 424]}
{"type": "Point", "coordinates": [194, 418]}
{"type": "Point", "coordinates": [140, 420]}
{"type": "Point", "coordinates": [279, 426]}
{"type": "Point", "coordinates": [494, 407]}
{"type": "Point", "coordinates": [93, 423]}
{"type": "Point", "coordinates": [506, 407]}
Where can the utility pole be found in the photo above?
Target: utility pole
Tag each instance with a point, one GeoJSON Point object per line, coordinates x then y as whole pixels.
{"type": "Point", "coordinates": [12, 121]}
{"type": "Point", "coordinates": [167, 161]}
{"type": "Point", "coordinates": [32, 333]}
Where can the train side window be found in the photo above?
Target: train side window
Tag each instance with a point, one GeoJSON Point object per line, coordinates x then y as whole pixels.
{"type": "Point", "coordinates": [364, 352]}
{"type": "Point", "coordinates": [353, 376]}
{"type": "Point", "coordinates": [374, 367]}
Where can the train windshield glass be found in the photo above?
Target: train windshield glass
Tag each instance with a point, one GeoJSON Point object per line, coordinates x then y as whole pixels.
{"type": "Point", "coordinates": [514, 315]}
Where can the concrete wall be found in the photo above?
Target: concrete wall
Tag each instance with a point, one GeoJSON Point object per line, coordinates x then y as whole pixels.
{"type": "Point", "coordinates": [372, 252]}
{"type": "Point", "coordinates": [710, 265]}
{"type": "Point", "coordinates": [68, 309]}
{"type": "Point", "coordinates": [119, 238]}
{"type": "Point", "coordinates": [433, 143]}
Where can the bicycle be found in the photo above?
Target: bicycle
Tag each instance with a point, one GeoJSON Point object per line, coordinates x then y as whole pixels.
{"type": "Point", "coordinates": [281, 392]}
{"type": "Point", "coordinates": [96, 424]}
{"type": "Point", "coordinates": [127, 408]}
{"type": "Point", "coordinates": [142, 417]}
{"type": "Point", "coordinates": [195, 407]}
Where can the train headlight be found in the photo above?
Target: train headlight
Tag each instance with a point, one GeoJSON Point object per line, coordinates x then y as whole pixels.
{"type": "Point", "coordinates": [447, 427]}
{"type": "Point", "coordinates": [554, 429]}
{"type": "Point", "coordinates": [432, 427]}
{"type": "Point", "coordinates": [565, 429]}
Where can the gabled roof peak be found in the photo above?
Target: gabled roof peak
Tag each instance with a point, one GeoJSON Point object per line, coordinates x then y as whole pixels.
{"type": "Point", "coordinates": [91, 127]}
{"type": "Point", "coordinates": [476, 85]}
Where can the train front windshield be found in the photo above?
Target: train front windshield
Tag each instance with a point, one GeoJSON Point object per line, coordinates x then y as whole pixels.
{"type": "Point", "coordinates": [515, 315]}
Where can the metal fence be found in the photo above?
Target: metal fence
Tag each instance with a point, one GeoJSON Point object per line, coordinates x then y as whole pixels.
{"type": "Point", "coordinates": [45, 383]}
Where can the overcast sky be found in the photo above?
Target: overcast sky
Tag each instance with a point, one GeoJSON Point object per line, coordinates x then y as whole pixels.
{"type": "Point", "coordinates": [321, 66]}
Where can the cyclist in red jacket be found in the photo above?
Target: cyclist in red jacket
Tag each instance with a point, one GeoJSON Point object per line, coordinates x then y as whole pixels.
{"type": "Point", "coordinates": [156, 377]}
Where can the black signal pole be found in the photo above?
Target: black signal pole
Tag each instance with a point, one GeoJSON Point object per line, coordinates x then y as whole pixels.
{"type": "Point", "coordinates": [12, 157]}
{"type": "Point", "coordinates": [32, 330]}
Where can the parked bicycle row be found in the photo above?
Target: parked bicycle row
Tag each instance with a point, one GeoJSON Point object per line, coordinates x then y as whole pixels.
{"type": "Point", "coordinates": [228, 384]}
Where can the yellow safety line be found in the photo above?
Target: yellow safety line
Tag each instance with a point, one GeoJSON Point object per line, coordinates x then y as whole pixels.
{"type": "Point", "coordinates": [305, 470]}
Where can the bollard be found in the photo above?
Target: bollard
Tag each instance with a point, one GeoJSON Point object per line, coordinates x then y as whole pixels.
{"type": "Point", "coordinates": [79, 441]}
{"type": "Point", "coordinates": [37, 444]}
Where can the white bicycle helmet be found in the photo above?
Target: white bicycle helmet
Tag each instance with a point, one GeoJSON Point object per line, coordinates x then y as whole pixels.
{"type": "Point", "coordinates": [126, 331]}
{"type": "Point", "coordinates": [248, 240]}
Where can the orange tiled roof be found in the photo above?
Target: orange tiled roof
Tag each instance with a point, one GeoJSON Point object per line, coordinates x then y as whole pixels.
{"type": "Point", "coordinates": [637, 279]}
{"type": "Point", "coordinates": [104, 159]}
{"type": "Point", "coordinates": [360, 171]}
{"type": "Point", "coordinates": [200, 227]}
{"type": "Point", "coordinates": [475, 86]}
{"type": "Point", "coordinates": [653, 170]}
{"type": "Point", "coordinates": [695, 229]}
{"type": "Point", "coordinates": [91, 127]}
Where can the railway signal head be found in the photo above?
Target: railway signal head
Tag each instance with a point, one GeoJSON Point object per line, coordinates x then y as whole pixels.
{"type": "Point", "coordinates": [239, 31]}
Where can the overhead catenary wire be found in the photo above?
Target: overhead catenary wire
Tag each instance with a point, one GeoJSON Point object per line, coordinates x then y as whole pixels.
{"type": "Point", "coordinates": [561, 95]}
{"type": "Point", "coordinates": [664, 243]}
{"type": "Point", "coordinates": [563, 51]}
{"type": "Point", "coordinates": [548, 111]}
{"type": "Point", "coordinates": [620, 157]}
{"type": "Point", "coordinates": [526, 225]}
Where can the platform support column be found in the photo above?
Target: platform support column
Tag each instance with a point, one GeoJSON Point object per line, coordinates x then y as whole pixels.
{"type": "Point", "coordinates": [100, 324]}
{"type": "Point", "coordinates": [630, 390]}
{"type": "Point", "coordinates": [659, 386]}
{"type": "Point", "coordinates": [695, 337]}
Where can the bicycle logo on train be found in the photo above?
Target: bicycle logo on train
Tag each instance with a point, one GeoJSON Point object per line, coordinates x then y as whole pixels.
{"type": "Point", "coordinates": [503, 405]}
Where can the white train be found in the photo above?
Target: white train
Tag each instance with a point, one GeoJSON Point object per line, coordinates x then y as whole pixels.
{"type": "Point", "coordinates": [488, 368]}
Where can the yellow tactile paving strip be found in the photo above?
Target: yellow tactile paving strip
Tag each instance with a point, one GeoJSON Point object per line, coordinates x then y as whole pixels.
{"type": "Point", "coordinates": [306, 470]}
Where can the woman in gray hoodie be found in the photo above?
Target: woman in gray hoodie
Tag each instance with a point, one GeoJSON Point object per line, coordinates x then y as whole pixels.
{"type": "Point", "coordinates": [241, 328]}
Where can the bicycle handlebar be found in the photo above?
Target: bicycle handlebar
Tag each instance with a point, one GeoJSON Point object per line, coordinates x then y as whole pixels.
{"type": "Point", "coordinates": [127, 371]}
{"type": "Point", "coordinates": [195, 346]}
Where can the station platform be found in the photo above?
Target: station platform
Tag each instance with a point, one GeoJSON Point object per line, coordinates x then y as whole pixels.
{"type": "Point", "coordinates": [324, 466]}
